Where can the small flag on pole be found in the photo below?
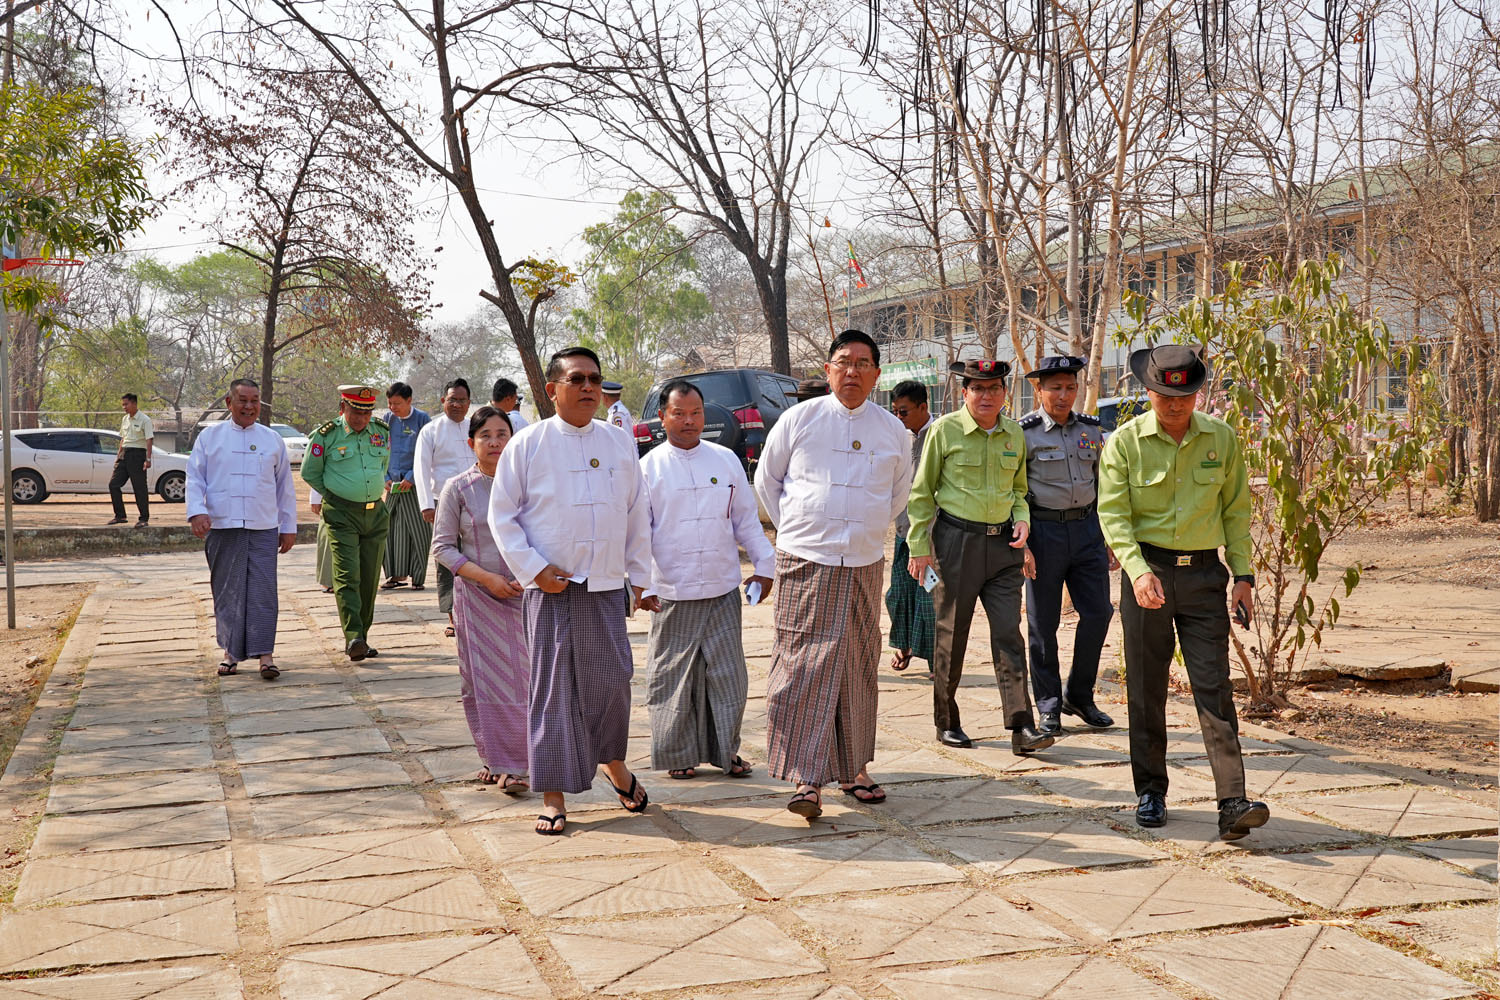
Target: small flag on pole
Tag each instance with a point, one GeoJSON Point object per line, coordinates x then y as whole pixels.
{"type": "Point", "coordinates": [859, 272]}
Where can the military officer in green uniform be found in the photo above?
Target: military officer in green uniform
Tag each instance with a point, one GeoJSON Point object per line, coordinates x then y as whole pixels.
{"type": "Point", "coordinates": [346, 462]}
{"type": "Point", "coordinates": [1172, 491]}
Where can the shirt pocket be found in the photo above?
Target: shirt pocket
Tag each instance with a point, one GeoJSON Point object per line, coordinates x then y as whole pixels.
{"type": "Point", "coordinates": [966, 472]}
{"type": "Point", "coordinates": [1149, 491]}
{"type": "Point", "coordinates": [1208, 477]}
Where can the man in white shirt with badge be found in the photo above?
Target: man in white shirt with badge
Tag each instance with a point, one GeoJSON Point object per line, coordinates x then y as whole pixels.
{"type": "Point", "coordinates": [443, 452]}
{"type": "Point", "coordinates": [570, 515]}
{"type": "Point", "coordinates": [702, 512]}
{"type": "Point", "coordinates": [616, 412]}
{"type": "Point", "coordinates": [241, 500]}
{"type": "Point", "coordinates": [834, 474]}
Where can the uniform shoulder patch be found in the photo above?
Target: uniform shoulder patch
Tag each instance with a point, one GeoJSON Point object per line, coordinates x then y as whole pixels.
{"type": "Point", "coordinates": [1087, 418]}
{"type": "Point", "coordinates": [326, 427]}
{"type": "Point", "coordinates": [1032, 420]}
{"type": "Point", "coordinates": [380, 423]}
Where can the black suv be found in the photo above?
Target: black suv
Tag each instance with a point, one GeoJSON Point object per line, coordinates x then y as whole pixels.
{"type": "Point", "coordinates": [740, 406]}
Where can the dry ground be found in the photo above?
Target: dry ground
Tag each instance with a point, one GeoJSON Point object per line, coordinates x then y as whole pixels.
{"type": "Point", "coordinates": [43, 617]}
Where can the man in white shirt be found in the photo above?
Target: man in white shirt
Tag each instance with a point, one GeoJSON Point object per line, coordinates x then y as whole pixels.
{"type": "Point", "coordinates": [241, 500]}
{"type": "Point", "coordinates": [131, 462]}
{"type": "Point", "coordinates": [615, 411]}
{"type": "Point", "coordinates": [834, 474]}
{"type": "Point", "coordinates": [702, 512]}
{"type": "Point", "coordinates": [505, 396]}
{"type": "Point", "coordinates": [442, 453]}
{"type": "Point", "coordinates": [570, 515]}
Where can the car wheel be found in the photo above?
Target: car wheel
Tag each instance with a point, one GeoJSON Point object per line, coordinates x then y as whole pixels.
{"type": "Point", "coordinates": [27, 486]}
{"type": "Point", "coordinates": [720, 419]}
{"type": "Point", "coordinates": [172, 487]}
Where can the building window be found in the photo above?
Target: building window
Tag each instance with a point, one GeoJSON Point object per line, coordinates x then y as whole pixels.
{"type": "Point", "coordinates": [889, 324]}
{"type": "Point", "coordinates": [1187, 276]}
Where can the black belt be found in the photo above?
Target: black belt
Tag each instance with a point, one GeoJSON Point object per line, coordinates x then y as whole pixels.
{"type": "Point", "coordinates": [1175, 557]}
{"type": "Point", "coordinates": [339, 501]}
{"type": "Point", "coordinates": [976, 527]}
{"type": "Point", "coordinates": [1071, 514]}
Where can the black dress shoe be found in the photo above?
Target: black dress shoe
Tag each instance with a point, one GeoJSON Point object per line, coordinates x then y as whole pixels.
{"type": "Point", "coordinates": [1090, 714]}
{"type": "Point", "coordinates": [1152, 811]}
{"type": "Point", "coordinates": [1051, 724]}
{"type": "Point", "coordinates": [1237, 817]}
{"type": "Point", "coordinates": [357, 649]}
{"type": "Point", "coordinates": [1028, 738]}
{"type": "Point", "coordinates": [115, 520]}
{"type": "Point", "coordinates": [954, 738]}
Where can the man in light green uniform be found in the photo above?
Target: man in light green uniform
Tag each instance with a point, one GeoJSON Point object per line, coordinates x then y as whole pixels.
{"type": "Point", "coordinates": [969, 515]}
{"type": "Point", "coordinates": [346, 463]}
{"type": "Point", "coordinates": [1172, 490]}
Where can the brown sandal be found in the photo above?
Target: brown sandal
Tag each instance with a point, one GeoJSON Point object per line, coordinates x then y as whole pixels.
{"type": "Point", "coordinates": [900, 660]}
{"type": "Point", "coordinates": [513, 784]}
{"type": "Point", "coordinates": [808, 804]}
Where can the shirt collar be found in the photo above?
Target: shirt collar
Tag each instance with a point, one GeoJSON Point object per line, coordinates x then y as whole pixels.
{"type": "Point", "coordinates": [971, 425]}
{"type": "Point", "coordinates": [837, 407]}
{"type": "Point", "coordinates": [1195, 427]}
{"type": "Point", "coordinates": [568, 428]}
{"type": "Point", "coordinates": [1048, 423]}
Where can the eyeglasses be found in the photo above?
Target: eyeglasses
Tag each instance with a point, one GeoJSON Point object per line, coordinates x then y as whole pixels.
{"type": "Point", "coordinates": [576, 380]}
{"type": "Point", "coordinates": [861, 366]}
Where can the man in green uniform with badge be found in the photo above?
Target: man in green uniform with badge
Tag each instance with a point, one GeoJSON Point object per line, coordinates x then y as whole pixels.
{"type": "Point", "coordinates": [1173, 490]}
{"type": "Point", "coordinates": [969, 515]}
{"type": "Point", "coordinates": [346, 463]}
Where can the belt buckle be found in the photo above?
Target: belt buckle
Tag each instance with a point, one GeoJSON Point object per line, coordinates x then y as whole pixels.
{"type": "Point", "coordinates": [992, 529]}
{"type": "Point", "coordinates": [370, 505]}
{"type": "Point", "coordinates": [1184, 560]}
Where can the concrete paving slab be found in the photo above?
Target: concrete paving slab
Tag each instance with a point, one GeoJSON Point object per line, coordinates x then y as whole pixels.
{"type": "Point", "coordinates": [126, 736]}
{"type": "Point", "coordinates": [839, 864]}
{"type": "Point", "coordinates": [474, 803]}
{"type": "Point", "coordinates": [419, 711]}
{"type": "Point", "coordinates": [1045, 844]}
{"type": "Point", "coordinates": [1463, 934]}
{"type": "Point", "coordinates": [458, 764]}
{"type": "Point", "coordinates": [1139, 901]}
{"type": "Point", "coordinates": [161, 826]}
{"type": "Point", "coordinates": [1280, 774]}
{"type": "Point", "coordinates": [177, 982]}
{"type": "Point", "coordinates": [679, 952]}
{"type": "Point", "coordinates": [996, 755]}
{"type": "Point", "coordinates": [483, 966]}
{"type": "Point", "coordinates": [110, 686]}
{"type": "Point", "coordinates": [399, 688]}
{"type": "Point", "coordinates": [1196, 828]}
{"type": "Point", "coordinates": [442, 735]}
{"type": "Point", "coordinates": [301, 746]}
{"type": "Point", "coordinates": [150, 871]}
{"type": "Point", "coordinates": [1363, 877]}
{"type": "Point", "coordinates": [1114, 787]}
{"type": "Point", "coordinates": [907, 764]}
{"type": "Point", "coordinates": [329, 774]}
{"type": "Point", "coordinates": [1477, 854]}
{"type": "Point", "coordinates": [1065, 977]}
{"type": "Point", "coordinates": [187, 708]}
{"type": "Point", "coordinates": [172, 757]}
{"type": "Point", "coordinates": [1181, 744]}
{"type": "Point", "coordinates": [378, 906]}
{"type": "Point", "coordinates": [765, 821]}
{"type": "Point", "coordinates": [1476, 676]}
{"type": "Point", "coordinates": [135, 791]}
{"type": "Point", "coordinates": [1405, 811]}
{"type": "Point", "coordinates": [298, 672]}
{"type": "Point", "coordinates": [588, 836]}
{"type": "Point", "coordinates": [963, 799]}
{"type": "Point", "coordinates": [601, 887]}
{"type": "Point", "coordinates": [297, 720]}
{"type": "Point", "coordinates": [137, 930]}
{"type": "Point", "coordinates": [354, 855]}
{"type": "Point", "coordinates": [339, 812]}
{"type": "Point", "coordinates": [1313, 962]}
{"type": "Point", "coordinates": [944, 925]}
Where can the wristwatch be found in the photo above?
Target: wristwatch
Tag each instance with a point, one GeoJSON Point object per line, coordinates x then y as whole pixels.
{"type": "Point", "coordinates": [1246, 578]}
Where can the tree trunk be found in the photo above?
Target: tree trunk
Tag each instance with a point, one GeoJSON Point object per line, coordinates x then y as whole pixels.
{"type": "Point", "coordinates": [268, 346]}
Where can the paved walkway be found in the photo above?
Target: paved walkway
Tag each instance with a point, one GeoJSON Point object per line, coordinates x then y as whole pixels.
{"type": "Point", "coordinates": [189, 836]}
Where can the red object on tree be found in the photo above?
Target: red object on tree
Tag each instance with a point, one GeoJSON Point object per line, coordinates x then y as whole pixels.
{"type": "Point", "coordinates": [11, 263]}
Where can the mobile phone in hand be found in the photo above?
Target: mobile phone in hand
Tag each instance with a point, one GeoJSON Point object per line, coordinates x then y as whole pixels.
{"type": "Point", "coordinates": [1242, 614]}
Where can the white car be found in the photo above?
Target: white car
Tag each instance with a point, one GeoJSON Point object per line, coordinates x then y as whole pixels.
{"type": "Point", "coordinates": [80, 460]}
{"type": "Point", "coordinates": [296, 442]}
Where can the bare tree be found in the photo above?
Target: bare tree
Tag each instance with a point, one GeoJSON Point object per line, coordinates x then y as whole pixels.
{"type": "Point", "coordinates": [721, 107]}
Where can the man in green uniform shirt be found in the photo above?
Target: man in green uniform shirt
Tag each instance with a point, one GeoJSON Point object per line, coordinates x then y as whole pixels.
{"type": "Point", "coordinates": [969, 515]}
{"type": "Point", "coordinates": [1172, 491]}
{"type": "Point", "coordinates": [346, 463]}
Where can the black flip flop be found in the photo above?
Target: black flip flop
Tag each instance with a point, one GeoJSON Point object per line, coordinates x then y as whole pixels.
{"type": "Point", "coordinates": [807, 808]}
{"type": "Point", "coordinates": [391, 585]}
{"type": "Point", "coordinates": [632, 806]}
{"type": "Point", "coordinates": [682, 773]}
{"type": "Point", "coordinates": [269, 671]}
{"type": "Point", "coordinates": [515, 786]}
{"type": "Point", "coordinates": [877, 794]}
{"type": "Point", "coordinates": [555, 824]}
{"type": "Point", "coordinates": [739, 768]}
{"type": "Point", "coordinates": [227, 669]}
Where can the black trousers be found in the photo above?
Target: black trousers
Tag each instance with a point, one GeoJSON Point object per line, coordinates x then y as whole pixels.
{"type": "Point", "coordinates": [130, 464]}
{"type": "Point", "coordinates": [1197, 605]}
{"type": "Point", "coordinates": [985, 568]}
{"type": "Point", "coordinates": [1071, 553]}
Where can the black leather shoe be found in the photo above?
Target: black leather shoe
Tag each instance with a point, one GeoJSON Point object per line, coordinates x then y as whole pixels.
{"type": "Point", "coordinates": [1237, 817]}
{"type": "Point", "coordinates": [1152, 811]}
{"type": "Point", "coordinates": [954, 738]}
{"type": "Point", "coordinates": [357, 649]}
{"type": "Point", "coordinates": [1090, 714]}
{"type": "Point", "coordinates": [1028, 738]}
{"type": "Point", "coordinates": [1051, 724]}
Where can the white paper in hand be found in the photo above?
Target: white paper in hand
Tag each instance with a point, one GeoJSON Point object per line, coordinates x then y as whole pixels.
{"type": "Point", "coordinates": [929, 579]}
{"type": "Point", "coordinates": [752, 593]}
